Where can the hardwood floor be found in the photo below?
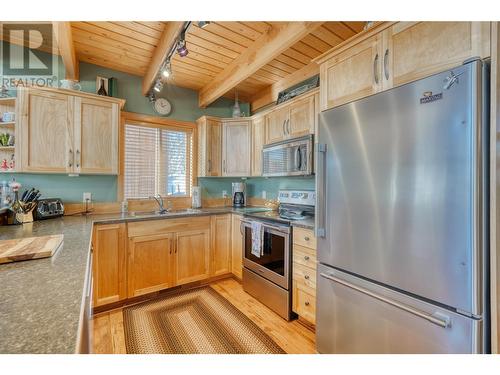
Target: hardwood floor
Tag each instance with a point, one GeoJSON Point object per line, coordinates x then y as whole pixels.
{"type": "Point", "coordinates": [293, 337]}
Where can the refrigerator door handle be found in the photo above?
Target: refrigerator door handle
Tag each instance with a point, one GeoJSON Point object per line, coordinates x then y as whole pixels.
{"type": "Point", "coordinates": [437, 318]}
{"type": "Point", "coordinates": [320, 194]}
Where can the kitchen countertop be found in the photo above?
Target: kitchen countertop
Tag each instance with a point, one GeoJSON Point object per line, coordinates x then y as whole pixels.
{"type": "Point", "coordinates": [41, 300]}
{"type": "Point", "coordinates": [306, 223]}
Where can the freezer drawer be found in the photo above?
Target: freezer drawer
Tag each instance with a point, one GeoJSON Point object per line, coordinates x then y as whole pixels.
{"type": "Point", "coordinates": [356, 316]}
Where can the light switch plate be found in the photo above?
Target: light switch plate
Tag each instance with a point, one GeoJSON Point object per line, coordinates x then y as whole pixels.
{"type": "Point", "coordinates": [264, 194]}
{"type": "Point", "coordinates": [224, 193]}
{"type": "Point", "coordinates": [87, 197]}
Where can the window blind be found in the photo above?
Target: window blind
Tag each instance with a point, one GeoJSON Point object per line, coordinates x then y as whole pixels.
{"type": "Point", "coordinates": [157, 161]}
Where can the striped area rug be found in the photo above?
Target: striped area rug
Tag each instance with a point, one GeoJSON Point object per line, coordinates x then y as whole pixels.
{"type": "Point", "coordinates": [191, 322]}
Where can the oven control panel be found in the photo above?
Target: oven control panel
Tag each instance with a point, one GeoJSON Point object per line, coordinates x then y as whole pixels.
{"type": "Point", "coordinates": [303, 197]}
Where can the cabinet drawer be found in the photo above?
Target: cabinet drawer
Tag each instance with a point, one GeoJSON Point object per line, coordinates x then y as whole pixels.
{"type": "Point", "coordinates": [304, 275]}
{"type": "Point", "coordinates": [304, 237]}
{"type": "Point", "coordinates": [304, 256]}
{"type": "Point", "coordinates": [150, 227]}
{"type": "Point", "coordinates": [304, 304]}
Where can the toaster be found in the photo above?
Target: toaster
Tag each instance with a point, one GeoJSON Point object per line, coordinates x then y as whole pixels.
{"type": "Point", "coordinates": [49, 208]}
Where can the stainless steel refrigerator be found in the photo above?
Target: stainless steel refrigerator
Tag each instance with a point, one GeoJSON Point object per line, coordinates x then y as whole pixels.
{"type": "Point", "coordinates": [402, 218]}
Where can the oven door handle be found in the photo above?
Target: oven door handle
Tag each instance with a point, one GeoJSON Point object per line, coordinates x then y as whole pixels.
{"type": "Point", "coordinates": [284, 230]}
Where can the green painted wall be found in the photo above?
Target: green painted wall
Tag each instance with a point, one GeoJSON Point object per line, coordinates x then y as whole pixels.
{"type": "Point", "coordinates": [212, 187]}
{"type": "Point", "coordinates": [104, 188]}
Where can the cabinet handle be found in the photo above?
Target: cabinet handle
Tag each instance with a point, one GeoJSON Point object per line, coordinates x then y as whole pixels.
{"type": "Point", "coordinates": [78, 158]}
{"type": "Point", "coordinates": [306, 303]}
{"type": "Point", "coordinates": [306, 277]}
{"type": "Point", "coordinates": [306, 238]}
{"type": "Point", "coordinates": [224, 166]}
{"type": "Point", "coordinates": [70, 163]}
{"type": "Point", "coordinates": [210, 166]}
{"type": "Point", "coordinates": [386, 62]}
{"type": "Point", "coordinates": [283, 126]}
{"type": "Point", "coordinates": [375, 69]}
{"type": "Point", "coordinates": [170, 243]}
{"type": "Point", "coordinates": [306, 258]}
{"type": "Point", "coordinates": [288, 126]}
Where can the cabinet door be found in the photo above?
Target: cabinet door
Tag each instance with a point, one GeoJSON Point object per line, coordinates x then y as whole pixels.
{"type": "Point", "coordinates": [47, 132]}
{"type": "Point", "coordinates": [192, 253]}
{"type": "Point", "coordinates": [275, 125]}
{"type": "Point", "coordinates": [258, 136]}
{"type": "Point", "coordinates": [352, 74]}
{"type": "Point", "coordinates": [214, 148]}
{"type": "Point", "coordinates": [221, 245]}
{"type": "Point", "coordinates": [109, 266]}
{"type": "Point", "coordinates": [236, 148]}
{"type": "Point", "coordinates": [302, 118]}
{"type": "Point", "coordinates": [414, 50]}
{"type": "Point", "coordinates": [236, 247]}
{"type": "Point", "coordinates": [96, 136]}
{"type": "Point", "coordinates": [150, 264]}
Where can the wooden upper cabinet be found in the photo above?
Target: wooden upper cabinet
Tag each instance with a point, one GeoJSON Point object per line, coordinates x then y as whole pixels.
{"type": "Point", "coordinates": [392, 54]}
{"type": "Point", "coordinates": [209, 147]}
{"type": "Point", "coordinates": [109, 266]}
{"type": "Point", "coordinates": [150, 263]}
{"type": "Point", "coordinates": [192, 254]}
{"type": "Point", "coordinates": [96, 136]}
{"type": "Point", "coordinates": [62, 132]}
{"type": "Point", "coordinates": [221, 244]}
{"type": "Point", "coordinates": [236, 148]}
{"type": "Point", "coordinates": [302, 118]}
{"type": "Point", "coordinates": [352, 74]}
{"type": "Point", "coordinates": [46, 124]}
{"type": "Point", "coordinates": [414, 50]}
{"type": "Point", "coordinates": [258, 139]}
{"type": "Point", "coordinates": [276, 122]}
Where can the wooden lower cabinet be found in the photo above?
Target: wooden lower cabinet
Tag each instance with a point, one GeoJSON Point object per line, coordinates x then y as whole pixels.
{"type": "Point", "coordinates": [221, 245]}
{"type": "Point", "coordinates": [236, 247]}
{"type": "Point", "coordinates": [150, 263]}
{"type": "Point", "coordinates": [304, 274]}
{"type": "Point", "coordinates": [192, 256]}
{"type": "Point", "coordinates": [109, 264]}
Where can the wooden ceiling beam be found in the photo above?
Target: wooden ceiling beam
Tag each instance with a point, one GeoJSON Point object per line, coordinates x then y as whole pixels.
{"type": "Point", "coordinates": [269, 94]}
{"type": "Point", "coordinates": [168, 37]}
{"type": "Point", "coordinates": [278, 38]}
{"type": "Point", "coordinates": [62, 31]}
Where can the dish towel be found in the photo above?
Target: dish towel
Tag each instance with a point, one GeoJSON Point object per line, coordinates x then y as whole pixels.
{"type": "Point", "coordinates": [257, 232]}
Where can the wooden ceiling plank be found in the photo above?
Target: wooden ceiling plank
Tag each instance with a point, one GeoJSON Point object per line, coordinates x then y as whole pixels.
{"type": "Point", "coordinates": [210, 46]}
{"type": "Point", "coordinates": [261, 27]}
{"type": "Point", "coordinates": [85, 26]}
{"type": "Point", "coordinates": [306, 50]}
{"type": "Point", "coordinates": [294, 54]}
{"type": "Point", "coordinates": [264, 49]}
{"type": "Point", "coordinates": [140, 28]}
{"type": "Point", "coordinates": [242, 29]}
{"type": "Point", "coordinates": [131, 34]}
{"type": "Point", "coordinates": [338, 28]}
{"type": "Point", "coordinates": [193, 70]}
{"type": "Point", "coordinates": [356, 26]}
{"type": "Point", "coordinates": [213, 63]}
{"type": "Point", "coordinates": [327, 36]}
{"type": "Point", "coordinates": [296, 64]}
{"type": "Point", "coordinates": [106, 43]}
{"type": "Point", "coordinates": [316, 43]}
{"type": "Point", "coordinates": [278, 73]}
{"type": "Point", "coordinates": [157, 25]}
{"type": "Point", "coordinates": [219, 29]}
{"type": "Point", "coordinates": [62, 31]}
{"type": "Point", "coordinates": [214, 56]}
{"type": "Point", "coordinates": [270, 94]}
{"type": "Point", "coordinates": [215, 38]}
{"type": "Point", "coordinates": [168, 37]}
{"type": "Point", "coordinates": [191, 60]}
{"type": "Point", "coordinates": [111, 65]}
{"type": "Point", "coordinates": [97, 50]}
{"type": "Point", "coordinates": [282, 66]}
{"type": "Point", "coordinates": [122, 57]}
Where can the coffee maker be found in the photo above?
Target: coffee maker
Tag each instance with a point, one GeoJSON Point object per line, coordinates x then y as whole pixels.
{"type": "Point", "coordinates": [239, 194]}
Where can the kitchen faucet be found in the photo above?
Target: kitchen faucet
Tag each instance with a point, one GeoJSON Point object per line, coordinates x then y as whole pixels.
{"type": "Point", "coordinates": [158, 198]}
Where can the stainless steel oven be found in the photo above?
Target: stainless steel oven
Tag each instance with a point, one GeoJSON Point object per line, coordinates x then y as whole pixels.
{"type": "Point", "coordinates": [268, 277]}
{"type": "Point", "coordinates": [293, 157]}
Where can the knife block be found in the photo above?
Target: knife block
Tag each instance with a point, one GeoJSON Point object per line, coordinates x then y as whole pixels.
{"type": "Point", "coordinates": [19, 218]}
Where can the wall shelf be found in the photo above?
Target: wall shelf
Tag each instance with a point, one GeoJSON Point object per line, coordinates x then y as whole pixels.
{"type": "Point", "coordinates": [7, 148]}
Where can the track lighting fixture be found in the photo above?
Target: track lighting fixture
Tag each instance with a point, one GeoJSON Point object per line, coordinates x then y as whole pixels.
{"type": "Point", "coordinates": [203, 24]}
{"type": "Point", "coordinates": [167, 70]}
{"type": "Point", "coordinates": [158, 86]}
{"type": "Point", "coordinates": [181, 46]}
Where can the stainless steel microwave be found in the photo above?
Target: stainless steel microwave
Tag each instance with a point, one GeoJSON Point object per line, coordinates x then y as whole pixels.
{"type": "Point", "coordinates": [293, 157]}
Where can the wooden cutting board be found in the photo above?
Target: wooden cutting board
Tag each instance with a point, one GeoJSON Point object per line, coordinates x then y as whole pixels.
{"type": "Point", "coordinates": [29, 248]}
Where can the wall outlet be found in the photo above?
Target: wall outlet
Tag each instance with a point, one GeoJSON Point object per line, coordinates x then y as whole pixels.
{"type": "Point", "coordinates": [264, 194]}
{"type": "Point", "coordinates": [87, 197]}
{"type": "Point", "coordinates": [224, 193]}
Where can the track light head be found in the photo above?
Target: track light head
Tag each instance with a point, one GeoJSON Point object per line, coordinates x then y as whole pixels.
{"type": "Point", "coordinates": [167, 70]}
{"type": "Point", "coordinates": [181, 46]}
{"type": "Point", "coordinates": [158, 86]}
{"type": "Point", "coordinates": [203, 24]}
